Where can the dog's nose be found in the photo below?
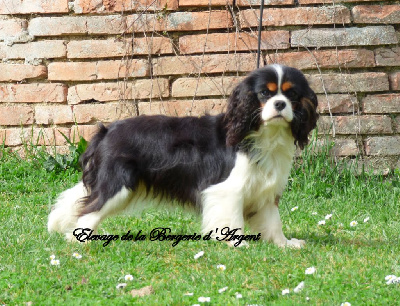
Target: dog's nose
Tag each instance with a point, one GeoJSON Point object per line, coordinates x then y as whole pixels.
{"type": "Point", "coordinates": [279, 105]}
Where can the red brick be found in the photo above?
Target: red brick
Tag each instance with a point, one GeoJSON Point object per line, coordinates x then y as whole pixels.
{"type": "Point", "coordinates": [301, 2]}
{"type": "Point", "coordinates": [53, 114]}
{"type": "Point", "coordinates": [216, 63]}
{"type": "Point", "coordinates": [388, 14]}
{"type": "Point", "coordinates": [103, 92]}
{"type": "Point", "coordinates": [118, 48]}
{"type": "Point", "coordinates": [358, 82]}
{"type": "Point", "coordinates": [55, 26]}
{"type": "Point", "coordinates": [340, 146]}
{"type": "Point", "coordinates": [86, 131]}
{"type": "Point", "coordinates": [107, 6]}
{"type": "Point", "coordinates": [16, 115]}
{"type": "Point", "coordinates": [35, 136]}
{"type": "Point", "coordinates": [179, 21]}
{"type": "Point", "coordinates": [337, 103]}
{"type": "Point", "coordinates": [108, 112]}
{"type": "Point", "coordinates": [101, 70]}
{"type": "Point", "coordinates": [324, 59]}
{"type": "Point", "coordinates": [9, 7]}
{"type": "Point", "coordinates": [386, 145]}
{"type": "Point", "coordinates": [37, 49]}
{"type": "Point", "coordinates": [33, 93]}
{"type": "Point", "coordinates": [196, 3]}
{"type": "Point", "coordinates": [347, 125]}
{"type": "Point", "coordinates": [183, 107]}
{"type": "Point", "coordinates": [216, 42]}
{"type": "Point", "coordinates": [10, 28]}
{"type": "Point", "coordinates": [394, 80]}
{"type": "Point", "coordinates": [196, 87]}
{"type": "Point", "coordinates": [296, 16]}
{"type": "Point", "coordinates": [20, 72]}
{"type": "Point", "coordinates": [381, 104]}
{"type": "Point", "coordinates": [112, 24]}
{"type": "Point", "coordinates": [266, 2]}
{"type": "Point", "coordinates": [387, 56]}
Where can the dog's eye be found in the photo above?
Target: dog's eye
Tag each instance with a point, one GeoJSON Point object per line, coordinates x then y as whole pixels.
{"type": "Point", "coordinates": [265, 93]}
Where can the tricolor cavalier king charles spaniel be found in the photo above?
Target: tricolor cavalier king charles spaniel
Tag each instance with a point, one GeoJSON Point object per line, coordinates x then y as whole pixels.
{"type": "Point", "coordinates": [232, 167]}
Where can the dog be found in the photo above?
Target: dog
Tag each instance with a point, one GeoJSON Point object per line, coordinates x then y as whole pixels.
{"type": "Point", "coordinates": [232, 167]}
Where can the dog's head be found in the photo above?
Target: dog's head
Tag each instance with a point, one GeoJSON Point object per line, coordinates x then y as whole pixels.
{"type": "Point", "coordinates": [273, 95]}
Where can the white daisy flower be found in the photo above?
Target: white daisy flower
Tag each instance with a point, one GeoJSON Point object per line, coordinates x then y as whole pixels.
{"type": "Point", "coordinates": [52, 256]}
{"type": "Point", "coordinates": [295, 208]}
{"type": "Point", "coordinates": [77, 255]}
{"type": "Point", "coordinates": [345, 304]}
{"type": "Point", "coordinates": [198, 255]}
{"type": "Point", "coordinates": [310, 270]}
{"type": "Point", "coordinates": [121, 286]}
{"type": "Point", "coordinates": [391, 279]}
{"type": "Point", "coordinates": [322, 222]}
{"type": "Point", "coordinates": [353, 223]}
{"type": "Point", "coordinates": [328, 216]}
{"type": "Point", "coordinates": [314, 213]}
{"type": "Point", "coordinates": [285, 291]}
{"type": "Point", "coordinates": [55, 262]}
{"type": "Point", "coordinates": [128, 277]}
{"type": "Point", "coordinates": [299, 287]}
{"type": "Point", "coordinates": [366, 219]}
{"type": "Point", "coordinates": [238, 295]}
{"type": "Point", "coordinates": [223, 289]}
{"type": "Point", "coordinates": [221, 267]}
{"type": "Point", "coordinates": [188, 294]}
{"type": "Point", "coordinates": [204, 299]}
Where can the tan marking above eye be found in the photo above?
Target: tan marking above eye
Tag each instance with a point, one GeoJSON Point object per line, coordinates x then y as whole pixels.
{"type": "Point", "coordinates": [272, 86]}
{"type": "Point", "coordinates": [286, 86]}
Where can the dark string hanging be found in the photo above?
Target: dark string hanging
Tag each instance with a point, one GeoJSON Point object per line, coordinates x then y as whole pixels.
{"type": "Point", "coordinates": [259, 34]}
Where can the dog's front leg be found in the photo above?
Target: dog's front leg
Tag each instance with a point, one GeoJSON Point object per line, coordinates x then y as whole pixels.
{"type": "Point", "coordinates": [267, 221]}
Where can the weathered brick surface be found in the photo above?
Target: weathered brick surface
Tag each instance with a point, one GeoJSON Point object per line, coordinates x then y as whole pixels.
{"type": "Point", "coordinates": [266, 2]}
{"type": "Point", "coordinates": [103, 92]}
{"type": "Point", "coordinates": [296, 16]}
{"type": "Point", "coordinates": [324, 59]}
{"type": "Point", "coordinates": [348, 125]}
{"type": "Point", "coordinates": [86, 131]}
{"type": "Point", "coordinates": [183, 107]}
{"type": "Point", "coordinates": [386, 145]}
{"type": "Point", "coordinates": [100, 70]}
{"type": "Point", "coordinates": [10, 27]}
{"type": "Point", "coordinates": [358, 82]}
{"type": "Point", "coordinates": [330, 1]}
{"type": "Point", "coordinates": [183, 3]}
{"type": "Point", "coordinates": [16, 115]}
{"type": "Point", "coordinates": [53, 114]}
{"type": "Point", "coordinates": [366, 36]}
{"type": "Point", "coordinates": [216, 63]}
{"type": "Point", "coordinates": [108, 112]}
{"type": "Point", "coordinates": [230, 42]}
{"type": "Point", "coordinates": [55, 93]}
{"type": "Point", "coordinates": [387, 56]}
{"type": "Point", "coordinates": [340, 146]}
{"type": "Point", "coordinates": [33, 6]}
{"type": "Point", "coordinates": [376, 14]}
{"type": "Point", "coordinates": [19, 72]}
{"type": "Point", "coordinates": [105, 6]}
{"type": "Point", "coordinates": [337, 103]}
{"type": "Point", "coordinates": [118, 48]}
{"type": "Point", "coordinates": [396, 122]}
{"type": "Point", "coordinates": [394, 80]}
{"type": "Point", "coordinates": [37, 49]}
{"type": "Point", "coordinates": [216, 86]}
{"type": "Point", "coordinates": [36, 136]}
{"type": "Point", "coordinates": [381, 104]}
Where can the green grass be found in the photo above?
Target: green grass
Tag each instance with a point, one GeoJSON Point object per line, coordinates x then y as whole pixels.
{"type": "Point", "coordinates": [351, 262]}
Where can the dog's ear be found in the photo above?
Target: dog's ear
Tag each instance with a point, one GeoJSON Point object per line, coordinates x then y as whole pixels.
{"type": "Point", "coordinates": [306, 120]}
{"type": "Point", "coordinates": [242, 114]}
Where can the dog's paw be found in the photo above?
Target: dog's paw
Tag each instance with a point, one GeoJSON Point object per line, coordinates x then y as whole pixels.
{"type": "Point", "coordinates": [295, 243]}
{"type": "Point", "coordinates": [243, 244]}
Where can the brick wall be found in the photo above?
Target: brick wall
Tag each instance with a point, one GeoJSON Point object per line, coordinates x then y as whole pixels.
{"type": "Point", "coordinates": [69, 64]}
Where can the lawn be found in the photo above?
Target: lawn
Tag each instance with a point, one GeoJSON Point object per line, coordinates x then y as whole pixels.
{"type": "Point", "coordinates": [351, 253]}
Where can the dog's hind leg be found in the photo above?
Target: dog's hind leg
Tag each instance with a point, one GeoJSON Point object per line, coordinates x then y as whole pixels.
{"type": "Point", "coordinates": [113, 206]}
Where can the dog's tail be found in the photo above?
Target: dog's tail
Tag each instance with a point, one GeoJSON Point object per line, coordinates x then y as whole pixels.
{"type": "Point", "coordinates": [69, 205]}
